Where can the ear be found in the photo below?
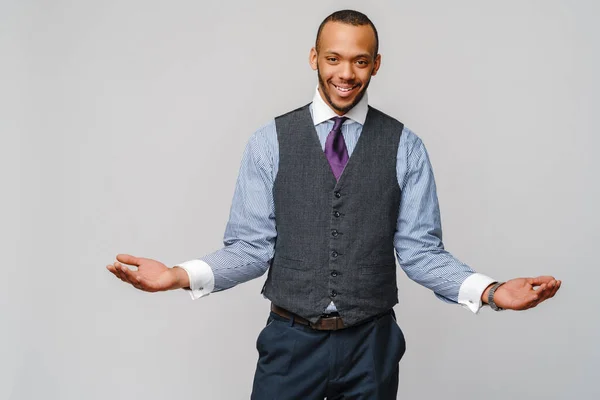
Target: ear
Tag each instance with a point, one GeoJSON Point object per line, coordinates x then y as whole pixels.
{"type": "Point", "coordinates": [312, 58]}
{"type": "Point", "coordinates": [376, 64]}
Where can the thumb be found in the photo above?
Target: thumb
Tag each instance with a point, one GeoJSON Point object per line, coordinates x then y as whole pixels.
{"type": "Point", "coordinates": [537, 281]}
{"type": "Point", "coordinates": [128, 259]}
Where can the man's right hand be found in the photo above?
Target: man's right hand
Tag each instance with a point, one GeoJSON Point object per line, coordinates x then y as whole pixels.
{"type": "Point", "coordinates": [150, 276]}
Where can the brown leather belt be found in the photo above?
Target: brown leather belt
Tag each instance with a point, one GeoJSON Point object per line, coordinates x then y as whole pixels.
{"type": "Point", "coordinates": [325, 323]}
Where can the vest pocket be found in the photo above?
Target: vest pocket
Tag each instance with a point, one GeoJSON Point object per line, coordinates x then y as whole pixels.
{"type": "Point", "coordinates": [377, 269]}
{"type": "Point", "coordinates": [378, 286]}
{"type": "Point", "coordinates": [290, 263]}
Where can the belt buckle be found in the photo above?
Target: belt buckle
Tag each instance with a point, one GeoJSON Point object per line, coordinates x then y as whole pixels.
{"type": "Point", "coordinates": [329, 324]}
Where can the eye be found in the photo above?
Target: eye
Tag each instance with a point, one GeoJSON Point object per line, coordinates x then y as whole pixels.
{"type": "Point", "coordinates": [332, 59]}
{"type": "Point", "coordinates": [362, 63]}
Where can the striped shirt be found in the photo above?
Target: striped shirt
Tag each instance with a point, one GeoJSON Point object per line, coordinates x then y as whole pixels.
{"type": "Point", "coordinates": [250, 234]}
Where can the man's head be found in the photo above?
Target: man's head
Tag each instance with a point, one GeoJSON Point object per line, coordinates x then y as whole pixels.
{"type": "Point", "coordinates": [345, 57]}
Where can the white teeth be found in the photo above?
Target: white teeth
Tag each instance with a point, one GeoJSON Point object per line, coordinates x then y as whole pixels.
{"type": "Point", "coordinates": [344, 89]}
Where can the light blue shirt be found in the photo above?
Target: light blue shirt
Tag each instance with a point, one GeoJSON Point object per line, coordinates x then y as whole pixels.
{"type": "Point", "coordinates": [251, 232]}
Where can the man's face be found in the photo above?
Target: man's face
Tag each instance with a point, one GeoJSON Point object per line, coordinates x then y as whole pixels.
{"type": "Point", "coordinates": [345, 63]}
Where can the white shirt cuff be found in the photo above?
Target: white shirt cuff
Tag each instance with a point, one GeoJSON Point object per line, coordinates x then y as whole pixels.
{"type": "Point", "coordinates": [202, 279]}
{"type": "Point", "coordinates": [472, 288]}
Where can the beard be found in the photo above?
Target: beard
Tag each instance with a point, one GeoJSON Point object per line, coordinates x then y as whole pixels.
{"type": "Point", "coordinates": [342, 109]}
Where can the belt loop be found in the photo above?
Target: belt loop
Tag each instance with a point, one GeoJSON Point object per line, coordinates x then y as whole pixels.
{"type": "Point", "coordinates": [292, 320]}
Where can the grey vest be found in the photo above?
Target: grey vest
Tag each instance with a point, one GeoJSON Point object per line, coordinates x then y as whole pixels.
{"type": "Point", "coordinates": [335, 239]}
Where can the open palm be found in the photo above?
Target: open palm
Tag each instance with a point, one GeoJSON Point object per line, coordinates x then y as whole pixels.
{"type": "Point", "coordinates": [524, 293]}
{"type": "Point", "coordinates": [150, 276]}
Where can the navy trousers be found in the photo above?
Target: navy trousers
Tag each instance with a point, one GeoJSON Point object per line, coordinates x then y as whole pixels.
{"type": "Point", "coordinates": [359, 362]}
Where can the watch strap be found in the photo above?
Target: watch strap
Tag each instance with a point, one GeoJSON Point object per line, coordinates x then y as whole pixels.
{"type": "Point", "coordinates": [491, 296]}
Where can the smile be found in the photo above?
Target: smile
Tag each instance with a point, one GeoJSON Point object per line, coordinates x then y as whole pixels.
{"type": "Point", "coordinates": [345, 90]}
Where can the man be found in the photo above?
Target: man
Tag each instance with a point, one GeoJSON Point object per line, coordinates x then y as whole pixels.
{"type": "Point", "coordinates": [326, 194]}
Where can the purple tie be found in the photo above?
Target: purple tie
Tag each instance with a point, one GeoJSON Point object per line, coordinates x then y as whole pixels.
{"type": "Point", "coordinates": [335, 148]}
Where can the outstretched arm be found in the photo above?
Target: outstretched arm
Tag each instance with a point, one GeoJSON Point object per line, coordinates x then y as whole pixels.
{"type": "Point", "coordinates": [421, 253]}
{"type": "Point", "coordinates": [249, 238]}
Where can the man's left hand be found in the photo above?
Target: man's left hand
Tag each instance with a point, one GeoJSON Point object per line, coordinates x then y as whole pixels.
{"type": "Point", "coordinates": [523, 293]}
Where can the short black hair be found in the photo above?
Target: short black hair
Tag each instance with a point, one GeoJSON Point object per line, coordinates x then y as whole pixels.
{"type": "Point", "coordinates": [350, 17]}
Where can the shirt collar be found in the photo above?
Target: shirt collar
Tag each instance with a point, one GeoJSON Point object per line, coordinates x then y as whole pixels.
{"type": "Point", "coordinates": [321, 112]}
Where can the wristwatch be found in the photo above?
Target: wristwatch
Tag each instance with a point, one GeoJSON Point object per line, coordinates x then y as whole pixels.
{"type": "Point", "coordinates": [491, 296]}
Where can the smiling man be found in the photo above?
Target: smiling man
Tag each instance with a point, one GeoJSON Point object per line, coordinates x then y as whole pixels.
{"type": "Point", "coordinates": [328, 196]}
{"type": "Point", "coordinates": [345, 57]}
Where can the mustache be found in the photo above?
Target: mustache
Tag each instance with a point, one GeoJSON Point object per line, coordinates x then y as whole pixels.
{"type": "Point", "coordinates": [346, 83]}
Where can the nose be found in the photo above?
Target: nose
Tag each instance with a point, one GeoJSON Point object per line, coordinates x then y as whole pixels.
{"type": "Point", "coordinates": [346, 72]}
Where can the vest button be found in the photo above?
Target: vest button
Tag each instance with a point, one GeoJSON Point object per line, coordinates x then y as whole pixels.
{"type": "Point", "coordinates": [333, 293]}
{"type": "Point", "coordinates": [334, 273]}
{"type": "Point", "coordinates": [334, 233]}
{"type": "Point", "coordinates": [337, 194]}
{"type": "Point", "coordinates": [334, 254]}
{"type": "Point", "coordinates": [336, 214]}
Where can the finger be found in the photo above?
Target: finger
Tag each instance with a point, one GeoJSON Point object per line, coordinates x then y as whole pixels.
{"type": "Point", "coordinates": [128, 259]}
{"type": "Point", "coordinates": [130, 275]}
{"type": "Point", "coordinates": [122, 277]}
{"type": "Point", "coordinates": [121, 271]}
{"type": "Point", "coordinates": [537, 296]}
{"type": "Point", "coordinates": [550, 291]}
{"type": "Point", "coordinates": [136, 280]}
{"type": "Point", "coordinates": [537, 281]}
{"type": "Point", "coordinates": [550, 286]}
{"type": "Point", "coordinates": [559, 283]}
{"type": "Point", "coordinates": [117, 266]}
{"type": "Point", "coordinates": [542, 287]}
{"type": "Point", "coordinates": [555, 289]}
{"type": "Point", "coordinates": [113, 270]}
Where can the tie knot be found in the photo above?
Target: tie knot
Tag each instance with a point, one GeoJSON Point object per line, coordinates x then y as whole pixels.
{"type": "Point", "coordinates": [337, 122]}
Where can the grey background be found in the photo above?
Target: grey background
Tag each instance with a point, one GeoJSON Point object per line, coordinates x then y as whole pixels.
{"type": "Point", "coordinates": [123, 124]}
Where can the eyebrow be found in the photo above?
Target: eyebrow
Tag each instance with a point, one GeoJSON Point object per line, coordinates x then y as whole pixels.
{"type": "Point", "coordinates": [362, 55]}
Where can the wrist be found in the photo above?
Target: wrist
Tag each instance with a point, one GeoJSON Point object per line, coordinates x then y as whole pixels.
{"type": "Point", "coordinates": [486, 293]}
{"type": "Point", "coordinates": [491, 301]}
{"type": "Point", "coordinates": [182, 278]}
